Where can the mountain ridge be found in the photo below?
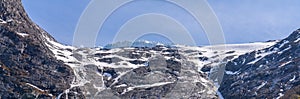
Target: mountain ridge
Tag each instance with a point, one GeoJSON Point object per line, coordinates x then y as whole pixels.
{"type": "Point", "coordinates": [34, 65]}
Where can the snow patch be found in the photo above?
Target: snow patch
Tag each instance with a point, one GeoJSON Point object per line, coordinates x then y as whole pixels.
{"type": "Point", "coordinates": [293, 78]}
{"type": "Point", "coordinates": [280, 95]}
{"type": "Point", "coordinates": [216, 53]}
{"type": "Point", "coordinates": [285, 49]}
{"type": "Point", "coordinates": [285, 63]}
{"type": "Point", "coordinates": [231, 73]}
{"type": "Point", "coordinates": [22, 34]}
{"type": "Point", "coordinates": [122, 85]}
{"type": "Point", "coordinates": [10, 20]}
{"type": "Point", "coordinates": [285, 42]}
{"type": "Point", "coordinates": [146, 86]}
{"type": "Point", "coordinates": [259, 56]}
{"type": "Point", "coordinates": [281, 90]}
{"type": "Point", "coordinates": [262, 85]}
{"type": "Point", "coordinates": [2, 21]}
{"type": "Point", "coordinates": [37, 88]}
{"type": "Point", "coordinates": [297, 40]}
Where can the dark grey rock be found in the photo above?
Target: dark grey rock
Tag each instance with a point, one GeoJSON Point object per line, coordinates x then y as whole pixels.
{"type": "Point", "coordinates": [27, 61]}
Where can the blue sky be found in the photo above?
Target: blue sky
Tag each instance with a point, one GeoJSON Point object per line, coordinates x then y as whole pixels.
{"type": "Point", "coordinates": [242, 20]}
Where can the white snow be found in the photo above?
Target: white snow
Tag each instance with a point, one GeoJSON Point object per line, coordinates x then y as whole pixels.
{"type": "Point", "coordinates": [261, 55]}
{"type": "Point", "coordinates": [10, 20]}
{"type": "Point", "coordinates": [297, 40]}
{"type": "Point", "coordinates": [37, 88]}
{"type": "Point", "coordinates": [159, 44]}
{"type": "Point", "coordinates": [122, 85]}
{"type": "Point", "coordinates": [285, 49]}
{"type": "Point", "coordinates": [294, 77]}
{"type": "Point", "coordinates": [216, 53]}
{"type": "Point", "coordinates": [285, 42]}
{"type": "Point", "coordinates": [22, 34]}
{"type": "Point", "coordinates": [152, 85]}
{"type": "Point", "coordinates": [253, 62]}
{"type": "Point", "coordinates": [280, 95]}
{"type": "Point", "coordinates": [285, 63]}
{"type": "Point", "coordinates": [203, 80]}
{"type": "Point", "coordinates": [2, 21]}
{"type": "Point", "coordinates": [262, 85]}
{"type": "Point", "coordinates": [244, 60]}
{"type": "Point", "coordinates": [231, 73]}
{"type": "Point", "coordinates": [120, 75]}
{"type": "Point", "coordinates": [147, 41]}
{"type": "Point", "coordinates": [146, 86]}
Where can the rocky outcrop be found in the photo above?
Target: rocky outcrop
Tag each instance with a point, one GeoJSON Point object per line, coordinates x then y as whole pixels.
{"type": "Point", "coordinates": [266, 73]}
{"type": "Point", "coordinates": [27, 67]}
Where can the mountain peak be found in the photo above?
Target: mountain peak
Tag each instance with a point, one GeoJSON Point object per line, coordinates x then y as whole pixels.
{"type": "Point", "coordinates": [13, 17]}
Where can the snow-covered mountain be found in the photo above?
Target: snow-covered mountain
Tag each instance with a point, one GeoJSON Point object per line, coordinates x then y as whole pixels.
{"type": "Point", "coordinates": [34, 65]}
{"type": "Point", "coordinates": [124, 72]}
{"type": "Point", "coordinates": [157, 72]}
{"type": "Point", "coordinates": [266, 73]}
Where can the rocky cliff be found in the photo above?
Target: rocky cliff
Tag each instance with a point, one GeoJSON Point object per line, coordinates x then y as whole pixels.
{"type": "Point", "coordinates": [27, 66]}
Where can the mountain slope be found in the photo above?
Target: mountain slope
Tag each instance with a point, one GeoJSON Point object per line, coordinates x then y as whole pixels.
{"type": "Point", "coordinates": [34, 65]}
{"type": "Point", "coordinates": [265, 73]}
{"type": "Point", "coordinates": [27, 66]}
{"type": "Point", "coordinates": [157, 72]}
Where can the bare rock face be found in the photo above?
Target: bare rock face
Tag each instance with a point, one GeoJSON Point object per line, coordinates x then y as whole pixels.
{"type": "Point", "coordinates": [136, 73]}
{"type": "Point", "coordinates": [27, 67]}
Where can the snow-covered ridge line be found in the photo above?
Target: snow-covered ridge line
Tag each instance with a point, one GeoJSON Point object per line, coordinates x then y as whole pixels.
{"type": "Point", "coordinates": [215, 54]}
